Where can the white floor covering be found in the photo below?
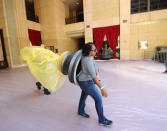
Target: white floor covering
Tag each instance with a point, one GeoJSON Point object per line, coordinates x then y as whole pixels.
{"type": "Point", "coordinates": [137, 100]}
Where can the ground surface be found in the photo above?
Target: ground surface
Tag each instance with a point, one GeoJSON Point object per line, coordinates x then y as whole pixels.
{"type": "Point", "coordinates": [137, 100]}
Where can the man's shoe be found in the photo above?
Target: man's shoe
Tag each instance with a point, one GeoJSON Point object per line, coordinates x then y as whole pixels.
{"type": "Point", "coordinates": [165, 71]}
{"type": "Point", "coordinates": [46, 91]}
{"type": "Point", "coordinates": [84, 115]}
{"type": "Point", "coordinates": [38, 84]}
{"type": "Point", "coordinates": [105, 122]}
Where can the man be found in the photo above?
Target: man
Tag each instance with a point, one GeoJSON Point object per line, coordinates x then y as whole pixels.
{"type": "Point", "coordinates": [38, 84]}
{"type": "Point", "coordinates": [165, 66]}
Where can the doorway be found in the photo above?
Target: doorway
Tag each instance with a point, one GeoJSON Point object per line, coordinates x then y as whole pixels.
{"type": "Point", "coordinates": [81, 42]}
{"type": "Point", "coordinates": [3, 58]}
{"type": "Point", "coordinates": [34, 37]}
{"type": "Point", "coordinates": [106, 52]}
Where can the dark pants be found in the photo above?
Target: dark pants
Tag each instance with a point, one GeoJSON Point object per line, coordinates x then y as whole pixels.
{"type": "Point", "coordinates": [89, 88]}
{"type": "Point", "coordinates": [166, 64]}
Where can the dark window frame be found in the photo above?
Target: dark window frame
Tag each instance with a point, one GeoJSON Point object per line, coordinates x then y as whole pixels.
{"type": "Point", "coordinates": [30, 11]}
{"type": "Point", "coordinates": [79, 12]}
{"type": "Point", "coordinates": [140, 6]}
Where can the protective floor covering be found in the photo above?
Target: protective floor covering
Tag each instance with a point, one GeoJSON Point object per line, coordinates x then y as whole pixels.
{"type": "Point", "coordinates": [137, 100]}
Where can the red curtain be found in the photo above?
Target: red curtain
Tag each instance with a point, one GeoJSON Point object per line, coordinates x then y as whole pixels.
{"type": "Point", "coordinates": [99, 38]}
{"type": "Point", "coordinates": [35, 37]}
{"type": "Point", "coordinates": [112, 33]}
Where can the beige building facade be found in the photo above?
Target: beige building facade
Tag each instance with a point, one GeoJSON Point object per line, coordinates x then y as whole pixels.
{"type": "Point", "coordinates": [148, 26]}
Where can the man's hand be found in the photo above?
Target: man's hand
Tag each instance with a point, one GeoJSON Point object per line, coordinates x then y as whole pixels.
{"type": "Point", "coordinates": [104, 92]}
{"type": "Point", "coordinates": [98, 83]}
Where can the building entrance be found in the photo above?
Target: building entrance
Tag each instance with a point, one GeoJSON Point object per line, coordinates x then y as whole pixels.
{"type": "Point", "coordinates": [3, 58]}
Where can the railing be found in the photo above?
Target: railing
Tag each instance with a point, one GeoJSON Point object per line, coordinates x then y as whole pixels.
{"type": "Point", "coordinates": [74, 20]}
{"type": "Point", "coordinates": [161, 54]}
{"type": "Point", "coordinates": [149, 55]}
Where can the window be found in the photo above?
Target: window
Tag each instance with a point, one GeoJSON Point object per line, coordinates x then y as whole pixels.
{"type": "Point", "coordinates": [158, 4]}
{"type": "Point", "coordinates": [30, 11]}
{"type": "Point", "coordinates": [139, 6]}
{"type": "Point", "coordinates": [106, 52]}
{"type": "Point", "coordinates": [74, 11]}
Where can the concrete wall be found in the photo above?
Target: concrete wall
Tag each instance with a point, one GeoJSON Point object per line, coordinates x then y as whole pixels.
{"type": "Point", "coordinates": [6, 24]}
{"type": "Point", "coordinates": [150, 26]}
{"type": "Point", "coordinates": [124, 29]}
{"type": "Point", "coordinates": [15, 29]}
{"type": "Point", "coordinates": [155, 33]}
{"type": "Point", "coordinates": [4, 28]}
{"type": "Point", "coordinates": [53, 26]}
{"type": "Point", "coordinates": [149, 16]}
{"type": "Point", "coordinates": [22, 26]}
{"type": "Point", "coordinates": [75, 30]}
{"type": "Point", "coordinates": [100, 13]}
{"type": "Point", "coordinates": [105, 9]}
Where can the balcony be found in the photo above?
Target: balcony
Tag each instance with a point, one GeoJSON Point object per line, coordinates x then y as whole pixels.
{"type": "Point", "coordinates": [74, 19]}
{"type": "Point", "coordinates": [74, 11]}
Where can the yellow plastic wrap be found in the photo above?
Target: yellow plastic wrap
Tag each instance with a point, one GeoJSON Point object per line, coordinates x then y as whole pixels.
{"type": "Point", "coordinates": [43, 64]}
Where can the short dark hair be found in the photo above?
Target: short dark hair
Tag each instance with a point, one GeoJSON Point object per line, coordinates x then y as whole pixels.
{"type": "Point", "coordinates": [86, 48]}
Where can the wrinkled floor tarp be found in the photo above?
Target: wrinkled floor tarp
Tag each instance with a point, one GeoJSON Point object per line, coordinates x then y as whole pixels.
{"type": "Point", "coordinates": [137, 100]}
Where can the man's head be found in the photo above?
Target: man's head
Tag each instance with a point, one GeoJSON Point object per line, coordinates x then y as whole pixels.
{"type": "Point", "coordinates": [42, 45]}
{"type": "Point", "coordinates": [89, 49]}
